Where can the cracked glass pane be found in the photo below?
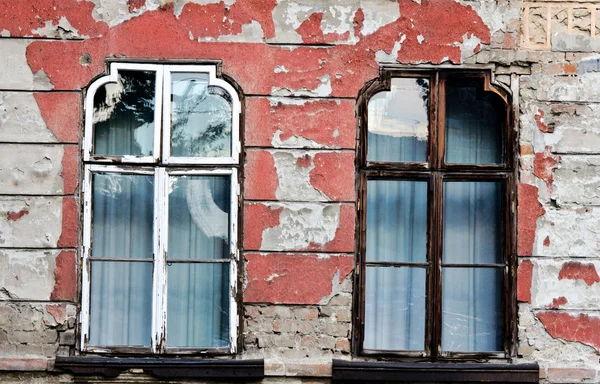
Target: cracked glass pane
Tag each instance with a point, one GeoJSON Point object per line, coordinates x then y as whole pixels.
{"type": "Point", "coordinates": [123, 117]}
{"type": "Point", "coordinates": [399, 122]}
{"type": "Point", "coordinates": [122, 215]}
{"type": "Point", "coordinates": [472, 313]}
{"type": "Point", "coordinates": [121, 303]}
{"type": "Point", "coordinates": [475, 121]}
{"type": "Point", "coordinates": [395, 308]}
{"type": "Point", "coordinates": [198, 305]}
{"type": "Point", "coordinates": [199, 217]}
{"type": "Point", "coordinates": [201, 117]}
{"type": "Point", "coordinates": [396, 221]}
{"type": "Point", "coordinates": [473, 225]}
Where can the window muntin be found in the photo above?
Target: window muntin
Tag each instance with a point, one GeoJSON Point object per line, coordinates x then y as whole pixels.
{"type": "Point", "coordinates": [474, 245]}
{"type": "Point", "coordinates": [136, 289]}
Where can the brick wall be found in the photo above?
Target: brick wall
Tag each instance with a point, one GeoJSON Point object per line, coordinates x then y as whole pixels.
{"type": "Point", "coordinates": [301, 65]}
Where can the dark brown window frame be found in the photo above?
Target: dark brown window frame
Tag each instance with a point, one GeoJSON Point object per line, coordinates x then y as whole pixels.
{"type": "Point", "coordinates": [435, 171]}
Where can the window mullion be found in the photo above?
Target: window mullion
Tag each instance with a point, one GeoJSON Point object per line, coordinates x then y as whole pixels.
{"type": "Point", "coordinates": [234, 257]}
{"type": "Point", "coordinates": [436, 239]}
{"type": "Point", "coordinates": [159, 276]}
{"type": "Point", "coordinates": [440, 121]}
{"type": "Point", "coordinates": [166, 117]}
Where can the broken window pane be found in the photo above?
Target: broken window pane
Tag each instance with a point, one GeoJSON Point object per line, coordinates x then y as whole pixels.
{"type": "Point", "coordinates": [198, 305]}
{"type": "Point", "coordinates": [121, 303]}
{"type": "Point", "coordinates": [473, 225]}
{"type": "Point", "coordinates": [475, 122]}
{"type": "Point", "coordinates": [199, 217]}
{"type": "Point", "coordinates": [201, 117]}
{"type": "Point", "coordinates": [123, 117]}
{"type": "Point", "coordinates": [472, 309]}
{"type": "Point", "coordinates": [122, 215]}
{"type": "Point", "coordinates": [396, 221]}
{"type": "Point", "coordinates": [395, 308]}
{"type": "Point", "coordinates": [399, 122]}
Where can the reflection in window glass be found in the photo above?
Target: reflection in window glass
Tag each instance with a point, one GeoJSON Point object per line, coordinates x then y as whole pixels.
{"type": "Point", "coordinates": [398, 123]}
{"type": "Point", "coordinates": [199, 217]}
{"type": "Point", "coordinates": [201, 117]}
{"type": "Point", "coordinates": [395, 308]}
{"type": "Point", "coordinates": [123, 117]}
{"type": "Point", "coordinates": [472, 309]}
{"type": "Point", "coordinates": [397, 221]}
{"type": "Point", "coordinates": [475, 121]}
{"type": "Point", "coordinates": [122, 212]}
{"type": "Point", "coordinates": [198, 305]}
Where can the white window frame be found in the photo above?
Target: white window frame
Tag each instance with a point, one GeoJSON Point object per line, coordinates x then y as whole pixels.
{"type": "Point", "coordinates": [161, 171]}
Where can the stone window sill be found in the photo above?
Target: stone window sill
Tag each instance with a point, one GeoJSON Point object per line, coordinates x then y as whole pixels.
{"type": "Point", "coordinates": [171, 368]}
{"type": "Point", "coordinates": [357, 371]}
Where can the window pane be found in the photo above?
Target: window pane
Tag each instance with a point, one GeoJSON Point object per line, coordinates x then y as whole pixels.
{"type": "Point", "coordinates": [396, 220]}
{"type": "Point", "coordinates": [198, 305]}
{"type": "Point", "coordinates": [199, 217]}
{"type": "Point", "coordinates": [122, 215]}
{"type": "Point", "coordinates": [395, 308]}
{"type": "Point", "coordinates": [399, 122]}
{"type": "Point", "coordinates": [473, 225]}
{"type": "Point", "coordinates": [121, 303]}
{"type": "Point", "coordinates": [124, 115]}
{"type": "Point", "coordinates": [472, 310]}
{"type": "Point", "coordinates": [475, 121]}
{"type": "Point", "coordinates": [201, 117]}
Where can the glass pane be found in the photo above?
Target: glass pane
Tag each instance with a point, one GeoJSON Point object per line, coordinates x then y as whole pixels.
{"type": "Point", "coordinates": [198, 305]}
{"type": "Point", "coordinates": [396, 221]}
{"type": "Point", "coordinates": [121, 303]}
{"type": "Point", "coordinates": [472, 314]}
{"type": "Point", "coordinates": [473, 224]}
{"type": "Point", "coordinates": [399, 122]}
{"type": "Point", "coordinates": [199, 217]}
{"type": "Point", "coordinates": [395, 308]}
{"type": "Point", "coordinates": [124, 115]}
{"type": "Point", "coordinates": [475, 122]}
{"type": "Point", "coordinates": [122, 210]}
{"type": "Point", "coordinates": [201, 117]}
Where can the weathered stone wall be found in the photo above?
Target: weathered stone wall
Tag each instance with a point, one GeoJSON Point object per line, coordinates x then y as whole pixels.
{"type": "Point", "coordinates": [301, 65]}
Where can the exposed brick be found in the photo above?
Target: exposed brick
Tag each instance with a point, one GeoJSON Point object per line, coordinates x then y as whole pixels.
{"type": "Point", "coordinates": [571, 375]}
{"type": "Point", "coordinates": [293, 278]}
{"type": "Point", "coordinates": [23, 364]}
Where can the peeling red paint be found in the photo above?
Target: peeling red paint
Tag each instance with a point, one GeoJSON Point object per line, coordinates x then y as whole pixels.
{"type": "Point", "coordinates": [14, 216]}
{"type": "Point", "coordinates": [529, 210]}
{"type": "Point", "coordinates": [331, 122]}
{"type": "Point", "coordinates": [524, 280]}
{"type": "Point", "coordinates": [311, 32]}
{"type": "Point", "coordinates": [343, 240]}
{"type": "Point", "coordinates": [65, 277]}
{"type": "Point", "coordinates": [21, 18]}
{"type": "Point", "coordinates": [260, 181]}
{"type": "Point", "coordinates": [135, 5]}
{"type": "Point", "coordinates": [70, 223]}
{"type": "Point", "coordinates": [343, 67]}
{"type": "Point", "coordinates": [333, 175]}
{"type": "Point", "coordinates": [573, 270]}
{"type": "Point", "coordinates": [544, 165]}
{"type": "Point", "coordinates": [578, 328]}
{"type": "Point", "coordinates": [547, 241]}
{"type": "Point", "coordinates": [539, 119]}
{"type": "Point", "coordinates": [70, 167]}
{"type": "Point", "coordinates": [294, 278]}
{"type": "Point", "coordinates": [58, 312]}
{"type": "Point", "coordinates": [62, 113]}
{"type": "Point", "coordinates": [359, 19]}
{"type": "Point", "coordinates": [304, 161]}
{"type": "Point", "coordinates": [258, 217]}
{"type": "Point", "coordinates": [558, 301]}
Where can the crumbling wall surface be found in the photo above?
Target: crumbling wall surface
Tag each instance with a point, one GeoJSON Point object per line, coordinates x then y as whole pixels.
{"type": "Point", "coordinates": [301, 65]}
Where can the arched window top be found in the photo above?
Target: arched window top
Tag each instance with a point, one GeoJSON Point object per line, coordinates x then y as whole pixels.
{"type": "Point", "coordinates": [436, 119]}
{"type": "Point", "coordinates": [137, 107]}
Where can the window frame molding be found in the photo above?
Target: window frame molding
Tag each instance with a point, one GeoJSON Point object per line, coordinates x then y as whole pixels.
{"type": "Point", "coordinates": [434, 171]}
{"type": "Point", "coordinates": [161, 170]}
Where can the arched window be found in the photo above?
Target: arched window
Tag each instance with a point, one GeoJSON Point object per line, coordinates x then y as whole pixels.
{"type": "Point", "coordinates": [161, 157]}
{"type": "Point", "coordinates": [436, 216]}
